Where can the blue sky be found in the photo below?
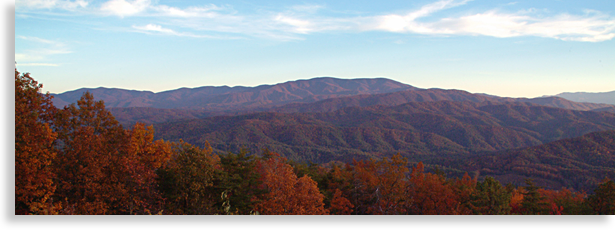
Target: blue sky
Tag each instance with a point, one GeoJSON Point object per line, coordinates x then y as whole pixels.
{"type": "Point", "coordinates": [510, 48]}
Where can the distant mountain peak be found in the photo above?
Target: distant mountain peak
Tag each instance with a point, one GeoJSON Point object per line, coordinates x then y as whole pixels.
{"type": "Point", "coordinates": [223, 98]}
{"type": "Point", "coordinates": [603, 97]}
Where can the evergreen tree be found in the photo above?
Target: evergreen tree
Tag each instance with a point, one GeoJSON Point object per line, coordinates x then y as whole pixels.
{"type": "Point", "coordinates": [533, 203]}
{"type": "Point", "coordinates": [603, 199]}
{"type": "Point", "coordinates": [187, 181]}
{"type": "Point", "coordinates": [490, 198]}
{"type": "Point", "coordinates": [239, 181]}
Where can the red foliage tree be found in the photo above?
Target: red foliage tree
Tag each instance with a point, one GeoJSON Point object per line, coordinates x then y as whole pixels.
{"type": "Point", "coordinates": [103, 168]}
{"type": "Point", "coordinates": [432, 195]}
{"type": "Point", "coordinates": [34, 151]}
{"type": "Point", "coordinates": [287, 194]}
{"type": "Point", "coordinates": [381, 186]}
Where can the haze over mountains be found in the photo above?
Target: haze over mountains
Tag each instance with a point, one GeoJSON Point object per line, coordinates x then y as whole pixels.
{"type": "Point", "coordinates": [606, 97]}
{"type": "Point", "coordinates": [328, 119]}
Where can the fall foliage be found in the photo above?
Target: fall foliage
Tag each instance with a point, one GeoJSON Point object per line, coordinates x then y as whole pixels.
{"type": "Point", "coordinates": [80, 160]}
{"type": "Point", "coordinates": [33, 148]}
{"type": "Point", "coordinates": [287, 194]}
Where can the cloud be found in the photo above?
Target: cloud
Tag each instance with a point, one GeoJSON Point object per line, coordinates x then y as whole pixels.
{"type": "Point", "coordinates": [297, 25]}
{"type": "Point", "coordinates": [44, 48]}
{"type": "Point", "coordinates": [124, 8]}
{"type": "Point", "coordinates": [593, 27]}
{"type": "Point", "coordinates": [564, 27]}
{"type": "Point", "coordinates": [157, 29]}
{"type": "Point", "coordinates": [51, 4]}
{"type": "Point", "coordinates": [297, 21]}
{"type": "Point", "coordinates": [205, 12]}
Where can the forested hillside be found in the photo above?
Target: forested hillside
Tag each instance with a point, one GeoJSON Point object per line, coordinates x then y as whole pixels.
{"type": "Point", "coordinates": [418, 128]}
{"type": "Point", "coordinates": [575, 163]}
{"type": "Point", "coordinates": [80, 160]}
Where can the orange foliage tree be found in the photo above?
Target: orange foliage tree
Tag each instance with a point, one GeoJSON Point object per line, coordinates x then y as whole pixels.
{"type": "Point", "coordinates": [516, 197]}
{"type": "Point", "coordinates": [380, 186]}
{"type": "Point", "coordinates": [432, 195]}
{"type": "Point", "coordinates": [565, 202]}
{"type": "Point", "coordinates": [33, 148]}
{"type": "Point", "coordinates": [339, 178]}
{"type": "Point", "coordinates": [103, 168]}
{"type": "Point", "coordinates": [287, 194]}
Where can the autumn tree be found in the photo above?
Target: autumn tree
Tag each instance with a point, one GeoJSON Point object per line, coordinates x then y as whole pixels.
{"type": "Point", "coordinates": [34, 151]}
{"type": "Point", "coordinates": [187, 181]}
{"type": "Point", "coordinates": [432, 195]}
{"type": "Point", "coordinates": [103, 168]}
{"type": "Point", "coordinates": [340, 205]}
{"type": "Point", "coordinates": [380, 186]}
{"type": "Point", "coordinates": [516, 199]}
{"type": "Point", "coordinates": [565, 202]}
{"type": "Point", "coordinates": [339, 184]}
{"type": "Point", "coordinates": [287, 194]}
{"type": "Point", "coordinates": [140, 158]}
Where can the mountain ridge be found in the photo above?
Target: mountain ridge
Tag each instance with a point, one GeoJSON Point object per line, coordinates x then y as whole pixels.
{"type": "Point", "coordinates": [225, 98]}
{"type": "Point", "coordinates": [308, 95]}
{"type": "Point", "coordinates": [600, 97]}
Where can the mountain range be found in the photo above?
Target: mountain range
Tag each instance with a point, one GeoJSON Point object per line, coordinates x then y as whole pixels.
{"type": "Point", "coordinates": [606, 97]}
{"type": "Point", "coordinates": [313, 95]}
{"type": "Point", "coordinates": [328, 119]}
{"type": "Point", "coordinates": [224, 98]}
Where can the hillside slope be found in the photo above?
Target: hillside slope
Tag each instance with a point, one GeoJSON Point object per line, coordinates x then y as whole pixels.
{"type": "Point", "coordinates": [413, 129]}
{"type": "Point", "coordinates": [578, 163]}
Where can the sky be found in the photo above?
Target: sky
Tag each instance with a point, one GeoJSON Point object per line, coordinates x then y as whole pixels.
{"type": "Point", "coordinates": [512, 48]}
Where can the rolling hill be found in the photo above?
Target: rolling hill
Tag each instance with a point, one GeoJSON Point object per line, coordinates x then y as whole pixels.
{"type": "Point", "coordinates": [579, 163]}
{"type": "Point", "coordinates": [413, 129]}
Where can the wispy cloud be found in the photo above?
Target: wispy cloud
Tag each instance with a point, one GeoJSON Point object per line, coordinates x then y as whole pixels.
{"type": "Point", "coordinates": [296, 22]}
{"type": "Point", "coordinates": [158, 29]}
{"type": "Point", "coordinates": [592, 27]}
{"type": "Point", "coordinates": [124, 8]}
{"type": "Point", "coordinates": [46, 48]}
{"type": "Point", "coordinates": [51, 4]}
